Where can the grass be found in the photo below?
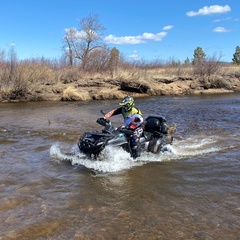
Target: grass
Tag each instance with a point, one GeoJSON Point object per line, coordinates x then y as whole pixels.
{"type": "Point", "coordinates": [27, 80]}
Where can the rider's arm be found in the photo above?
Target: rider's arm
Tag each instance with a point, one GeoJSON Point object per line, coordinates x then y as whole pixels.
{"type": "Point", "coordinates": [113, 113]}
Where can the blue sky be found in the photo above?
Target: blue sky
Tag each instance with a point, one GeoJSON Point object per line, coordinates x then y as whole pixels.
{"type": "Point", "coordinates": [148, 30]}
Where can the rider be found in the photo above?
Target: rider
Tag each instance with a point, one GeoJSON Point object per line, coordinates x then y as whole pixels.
{"type": "Point", "coordinates": [133, 119]}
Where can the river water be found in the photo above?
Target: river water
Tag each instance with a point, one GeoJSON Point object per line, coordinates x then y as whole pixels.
{"type": "Point", "coordinates": [49, 190]}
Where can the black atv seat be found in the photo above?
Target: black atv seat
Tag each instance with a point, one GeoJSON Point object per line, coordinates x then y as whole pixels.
{"type": "Point", "coordinates": [152, 125]}
{"type": "Point", "coordinates": [155, 116]}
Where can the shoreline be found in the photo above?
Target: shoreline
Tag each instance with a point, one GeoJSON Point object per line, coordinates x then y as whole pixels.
{"type": "Point", "coordinates": [106, 89]}
{"type": "Point", "coordinates": [134, 95]}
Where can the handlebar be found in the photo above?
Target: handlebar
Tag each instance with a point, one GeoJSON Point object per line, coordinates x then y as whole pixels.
{"type": "Point", "coordinates": [103, 121]}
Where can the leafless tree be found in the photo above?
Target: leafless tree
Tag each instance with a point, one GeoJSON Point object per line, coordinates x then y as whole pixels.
{"type": "Point", "coordinates": [67, 46]}
{"type": "Point", "coordinates": [208, 67]}
{"type": "Point", "coordinates": [80, 42]}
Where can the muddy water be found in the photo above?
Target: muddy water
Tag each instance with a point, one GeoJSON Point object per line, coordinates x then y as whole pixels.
{"type": "Point", "coordinates": [49, 190]}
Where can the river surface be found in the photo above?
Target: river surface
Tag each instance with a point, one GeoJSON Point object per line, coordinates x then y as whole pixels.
{"type": "Point", "coordinates": [49, 190]}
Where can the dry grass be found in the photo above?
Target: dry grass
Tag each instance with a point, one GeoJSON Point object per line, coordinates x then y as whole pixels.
{"type": "Point", "coordinates": [26, 80]}
{"type": "Point", "coordinates": [230, 70]}
{"type": "Point", "coordinates": [170, 72]}
{"type": "Point", "coordinates": [73, 94]}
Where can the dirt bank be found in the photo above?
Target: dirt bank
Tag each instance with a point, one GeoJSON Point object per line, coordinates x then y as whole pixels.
{"type": "Point", "coordinates": [96, 89]}
{"type": "Point", "coordinates": [72, 85]}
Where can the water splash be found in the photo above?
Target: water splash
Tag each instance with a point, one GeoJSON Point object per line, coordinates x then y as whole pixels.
{"type": "Point", "coordinates": [113, 160]}
{"type": "Point", "coordinates": [194, 146]}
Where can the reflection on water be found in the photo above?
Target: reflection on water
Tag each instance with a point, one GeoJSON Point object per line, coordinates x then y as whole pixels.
{"type": "Point", "coordinates": [49, 190]}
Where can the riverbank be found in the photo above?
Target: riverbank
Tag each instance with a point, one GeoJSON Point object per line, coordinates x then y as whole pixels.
{"type": "Point", "coordinates": [72, 85]}
{"type": "Point", "coordinates": [114, 89]}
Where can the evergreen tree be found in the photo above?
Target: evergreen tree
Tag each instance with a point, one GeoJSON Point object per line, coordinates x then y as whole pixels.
{"type": "Point", "coordinates": [198, 56]}
{"type": "Point", "coordinates": [236, 56]}
{"type": "Point", "coordinates": [187, 61]}
{"type": "Point", "coordinates": [113, 60]}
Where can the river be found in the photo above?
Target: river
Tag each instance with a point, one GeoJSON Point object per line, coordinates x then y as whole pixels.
{"type": "Point", "coordinates": [49, 190]}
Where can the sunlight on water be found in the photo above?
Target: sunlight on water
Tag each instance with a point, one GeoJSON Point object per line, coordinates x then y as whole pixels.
{"type": "Point", "coordinates": [114, 159]}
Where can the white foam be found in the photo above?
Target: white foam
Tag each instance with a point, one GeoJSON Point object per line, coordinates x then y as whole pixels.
{"type": "Point", "coordinates": [113, 160]}
{"type": "Point", "coordinates": [196, 146]}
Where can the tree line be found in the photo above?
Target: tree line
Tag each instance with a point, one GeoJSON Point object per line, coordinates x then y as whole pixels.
{"type": "Point", "coordinates": [85, 44]}
{"type": "Point", "coordinates": [84, 47]}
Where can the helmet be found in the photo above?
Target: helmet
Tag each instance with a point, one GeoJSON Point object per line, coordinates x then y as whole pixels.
{"type": "Point", "coordinates": [136, 121]}
{"type": "Point", "coordinates": [127, 103]}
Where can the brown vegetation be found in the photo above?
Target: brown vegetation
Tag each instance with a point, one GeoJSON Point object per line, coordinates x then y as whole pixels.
{"type": "Point", "coordinates": [39, 80]}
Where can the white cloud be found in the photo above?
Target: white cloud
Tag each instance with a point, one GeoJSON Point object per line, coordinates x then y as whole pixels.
{"type": "Point", "coordinates": [214, 9]}
{"type": "Point", "coordinates": [222, 20]}
{"type": "Point", "coordinates": [73, 32]}
{"type": "Point", "coordinates": [13, 44]}
{"type": "Point", "coordinates": [134, 55]}
{"type": "Point", "coordinates": [226, 19]}
{"type": "Point", "coordinates": [144, 38]}
{"type": "Point", "coordinates": [167, 27]}
{"type": "Point", "coordinates": [221, 30]}
{"type": "Point", "coordinates": [111, 39]}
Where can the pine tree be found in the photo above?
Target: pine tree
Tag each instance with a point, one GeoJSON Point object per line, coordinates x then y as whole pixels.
{"type": "Point", "coordinates": [186, 61]}
{"type": "Point", "coordinates": [236, 56]}
{"type": "Point", "coordinates": [198, 56]}
{"type": "Point", "coordinates": [113, 60]}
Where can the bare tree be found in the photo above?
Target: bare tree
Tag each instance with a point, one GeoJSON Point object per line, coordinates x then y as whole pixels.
{"type": "Point", "coordinates": [207, 68]}
{"type": "Point", "coordinates": [2, 55]}
{"type": "Point", "coordinates": [13, 61]}
{"type": "Point", "coordinates": [67, 46]}
{"type": "Point", "coordinates": [82, 41]}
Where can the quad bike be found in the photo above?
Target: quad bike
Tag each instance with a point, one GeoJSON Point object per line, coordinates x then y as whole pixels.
{"type": "Point", "coordinates": [156, 135]}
